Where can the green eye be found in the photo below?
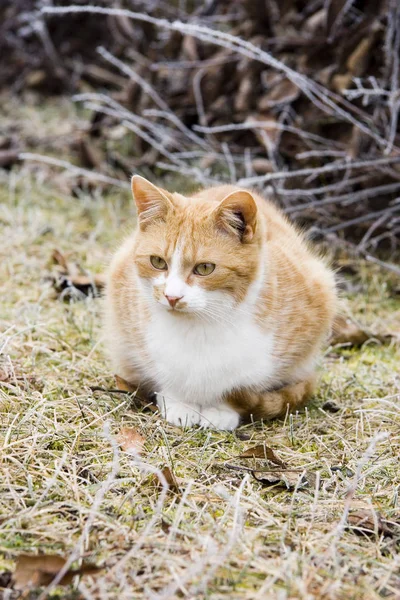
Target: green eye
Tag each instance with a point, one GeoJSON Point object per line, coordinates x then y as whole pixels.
{"type": "Point", "coordinates": [204, 269]}
{"type": "Point", "coordinates": [158, 263]}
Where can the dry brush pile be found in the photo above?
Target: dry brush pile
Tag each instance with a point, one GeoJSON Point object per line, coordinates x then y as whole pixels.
{"type": "Point", "coordinates": [298, 98]}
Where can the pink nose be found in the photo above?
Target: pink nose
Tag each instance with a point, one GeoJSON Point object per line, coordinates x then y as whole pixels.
{"type": "Point", "coordinates": [173, 300]}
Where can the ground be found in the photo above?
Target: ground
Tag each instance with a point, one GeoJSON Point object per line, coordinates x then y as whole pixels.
{"type": "Point", "coordinates": [67, 487]}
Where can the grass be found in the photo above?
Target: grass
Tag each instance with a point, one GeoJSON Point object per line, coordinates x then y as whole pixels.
{"type": "Point", "coordinates": [66, 487]}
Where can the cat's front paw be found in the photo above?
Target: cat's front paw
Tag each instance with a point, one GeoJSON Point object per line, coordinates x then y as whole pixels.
{"type": "Point", "coordinates": [219, 417]}
{"type": "Point", "coordinates": [178, 413]}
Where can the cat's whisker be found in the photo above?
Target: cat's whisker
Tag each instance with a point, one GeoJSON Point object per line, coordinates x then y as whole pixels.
{"type": "Point", "coordinates": [215, 314]}
{"type": "Point", "coordinates": [210, 317]}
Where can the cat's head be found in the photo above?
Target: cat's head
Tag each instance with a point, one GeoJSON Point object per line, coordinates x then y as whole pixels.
{"type": "Point", "coordinates": [196, 255]}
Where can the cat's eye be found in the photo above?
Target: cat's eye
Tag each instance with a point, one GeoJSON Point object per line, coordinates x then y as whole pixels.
{"type": "Point", "coordinates": [158, 263]}
{"type": "Point", "coordinates": [204, 269]}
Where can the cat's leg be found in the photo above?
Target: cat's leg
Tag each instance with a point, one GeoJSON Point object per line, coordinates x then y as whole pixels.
{"type": "Point", "coordinates": [272, 404]}
{"type": "Point", "coordinates": [178, 412]}
{"type": "Point", "coordinates": [222, 416]}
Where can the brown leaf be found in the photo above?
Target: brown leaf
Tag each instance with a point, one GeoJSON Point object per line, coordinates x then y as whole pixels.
{"type": "Point", "coordinates": [69, 275]}
{"type": "Point", "coordinates": [262, 166]}
{"type": "Point", "coordinates": [90, 156]}
{"type": "Point", "coordinates": [267, 132]}
{"type": "Point", "coordinates": [171, 479]}
{"type": "Point", "coordinates": [288, 479]}
{"type": "Point", "coordinates": [59, 258]}
{"type": "Point", "coordinates": [244, 94]}
{"type": "Point", "coordinates": [131, 440]}
{"type": "Point", "coordinates": [370, 522]}
{"type": "Point", "coordinates": [358, 60]}
{"type": "Point", "coordinates": [34, 571]}
{"type": "Point", "coordinates": [100, 76]}
{"type": "Point", "coordinates": [141, 399]}
{"type": "Point", "coordinates": [315, 22]}
{"type": "Point", "coordinates": [346, 331]}
{"type": "Point", "coordinates": [124, 385]}
{"type": "Point", "coordinates": [165, 526]}
{"type": "Point", "coordinates": [282, 93]}
{"type": "Point", "coordinates": [8, 158]}
{"type": "Point", "coordinates": [342, 82]}
{"type": "Point", "coordinates": [189, 48]}
{"type": "Point", "coordinates": [263, 451]}
{"type": "Point", "coordinates": [82, 282]}
{"type": "Point", "coordinates": [330, 406]}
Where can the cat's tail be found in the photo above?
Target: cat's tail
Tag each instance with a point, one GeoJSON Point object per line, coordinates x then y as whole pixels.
{"type": "Point", "coordinates": [268, 405]}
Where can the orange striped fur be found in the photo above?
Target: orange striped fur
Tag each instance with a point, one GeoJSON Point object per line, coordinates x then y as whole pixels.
{"type": "Point", "coordinates": [240, 341]}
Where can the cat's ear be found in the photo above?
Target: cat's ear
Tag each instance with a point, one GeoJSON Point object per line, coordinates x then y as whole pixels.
{"type": "Point", "coordinates": [152, 202]}
{"type": "Point", "coordinates": [237, 215]}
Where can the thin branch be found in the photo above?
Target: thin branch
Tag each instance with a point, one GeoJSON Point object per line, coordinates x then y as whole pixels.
{"type": "Point", "coordinates": [368, 217]}
{"type": "Point", "coordinates": [347, 199]}
{"type": "Point", "coordinates": [150, 91]}
{"type": "Point", "coordinates": [91, 175]}
{"type": "Point", "coordinates": [330, 168]}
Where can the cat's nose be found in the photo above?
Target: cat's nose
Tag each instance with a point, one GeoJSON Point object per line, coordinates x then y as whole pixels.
{"type": "Point", "coordinates": [173, 300]}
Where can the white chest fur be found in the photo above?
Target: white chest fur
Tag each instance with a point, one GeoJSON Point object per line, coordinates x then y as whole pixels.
{"type": "Point", "coordinates": [196, 361]}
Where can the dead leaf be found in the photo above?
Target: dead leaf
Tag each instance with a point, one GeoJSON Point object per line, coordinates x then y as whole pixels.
{"type": "Point", "coordinates": [282, 93]}
{"type": "Point", "coordinates": [315, 22]}
{"type": "Point", "coordinates": [10, 375]}
{"type": "Point", "coordinates": [123, 385]}
{"type": "Point", "coordinates": [59, 258]}
{"type": "Point", "coordinates": [141, 400]}
{"type": "Point", "coordinates": [33, 571]}
{"type": "Point", "coordinates": [8, 158]}
{"type": "Point", "coordinates": [189, 48]}
{"type": "Point", "coordinates": [35, 78]}
{"type": "Point", "coordinates": [89, 155]}
{"type": "Point", "coordinates": [342, 82]}
{"type": "Point", "coordinates": [262, 166]}
{"type": "Point", "coordinates": [244, 93]}
{"type": "Point", "coordinates": [267, 131]}
{"type": "Point", "coordinates": [368, 521]}
{"type": "Point", "coordinates": [331, 407]}
{"type": "Point", "coordinates": [265, 452]}
{"type": "Point", "coordinates": [359, 59]}
{"type": "Point", "coordinates": [171, 479]}
{"type": "Point", "coordinates": [69, 275]}
{"type": "Point", "coordinates": [165, 526]}
{"type": "Point", "coordinates": [131, 440]}
{"type": "Point", "coordinates": [5, 581]}
{"type": "Point", "coordinates": [347, 331]}
{"type": "Point", "coordinates": [84, 283]}
{"type": "Point", "coordinates": [288, 479]}
{"type": "Point", "coordinates": [101, 76]}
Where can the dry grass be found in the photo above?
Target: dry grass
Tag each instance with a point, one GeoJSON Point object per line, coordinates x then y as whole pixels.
{"type": "Point", "coordinates": [66, 488]}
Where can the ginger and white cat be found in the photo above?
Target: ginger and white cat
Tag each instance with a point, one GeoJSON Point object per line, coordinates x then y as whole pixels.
{"type": "Point", "coordinates": [217, 304]}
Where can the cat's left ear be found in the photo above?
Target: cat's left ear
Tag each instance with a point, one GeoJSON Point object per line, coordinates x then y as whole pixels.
{"type": "Point", "coordinates": [237, 215]}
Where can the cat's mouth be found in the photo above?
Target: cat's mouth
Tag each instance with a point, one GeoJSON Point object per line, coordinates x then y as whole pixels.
{"type": "Point", "coordinates": [177, 309]}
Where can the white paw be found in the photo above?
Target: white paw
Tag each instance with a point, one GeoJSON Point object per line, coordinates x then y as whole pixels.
{"type": "Point", "coordinates": [178, 413]}
{"type": "Point", "coordinates": [219, 417]}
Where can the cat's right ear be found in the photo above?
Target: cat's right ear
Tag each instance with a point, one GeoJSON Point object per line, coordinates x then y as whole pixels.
{"type": "Point", "coordinates": [152, 202]}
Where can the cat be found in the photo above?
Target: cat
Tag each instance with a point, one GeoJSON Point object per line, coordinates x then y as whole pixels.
{"type": "Point", "coordinates": [218, 305]}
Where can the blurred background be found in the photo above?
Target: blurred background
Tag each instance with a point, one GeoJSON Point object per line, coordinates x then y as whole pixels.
{"type": "Point", "coordinates": [299, 99]}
